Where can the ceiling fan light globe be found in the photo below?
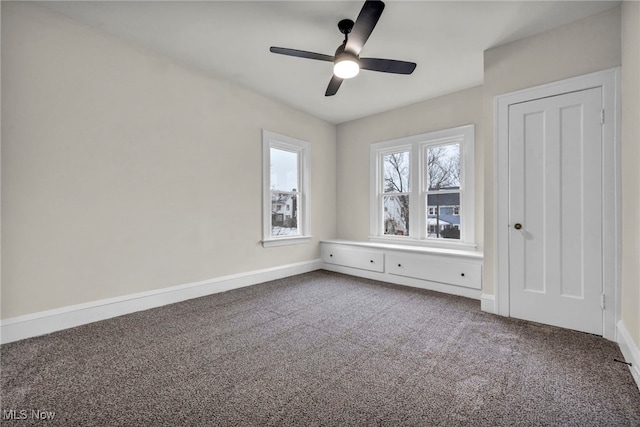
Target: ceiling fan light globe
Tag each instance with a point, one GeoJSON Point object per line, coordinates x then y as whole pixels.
{"type": "Point", "coordinates": [346, 69]}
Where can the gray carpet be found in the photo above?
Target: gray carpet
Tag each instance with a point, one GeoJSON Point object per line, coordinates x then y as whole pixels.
{"type": "Point", "coordinates": [319, 349]}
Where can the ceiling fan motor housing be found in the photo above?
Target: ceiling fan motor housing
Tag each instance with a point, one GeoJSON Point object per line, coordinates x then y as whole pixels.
{"type": "Point", "coordinates": [344, 55]}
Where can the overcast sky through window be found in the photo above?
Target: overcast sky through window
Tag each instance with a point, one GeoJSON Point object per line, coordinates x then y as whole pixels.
{"type": "Point", "coordinates": [284, 170]}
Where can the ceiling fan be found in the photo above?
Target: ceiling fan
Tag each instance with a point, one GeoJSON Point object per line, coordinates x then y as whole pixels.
{"type": "Point", "coordinates": [347, 61]}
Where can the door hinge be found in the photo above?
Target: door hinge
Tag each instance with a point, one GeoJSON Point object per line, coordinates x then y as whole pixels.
{"type": "Point", "coordinates": [602, 116]}
{"type": "Point", "coordinates": [602, 301]}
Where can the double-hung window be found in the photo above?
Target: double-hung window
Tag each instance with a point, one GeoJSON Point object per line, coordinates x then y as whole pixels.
{"type": "Point", "coordinates": [422, 189]}
{"type": "Point", "coordinates": [285, 190]}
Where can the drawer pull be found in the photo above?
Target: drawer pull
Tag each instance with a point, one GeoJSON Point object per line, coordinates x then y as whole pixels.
{"type": "Point", "coordinates": [331, 255]}
{"type": "Point", "coordinates": [399, 265]}
{"type": "Point", "coordinates": [462, 274]}
{"type": "Point", "coordinates": [371, 261]}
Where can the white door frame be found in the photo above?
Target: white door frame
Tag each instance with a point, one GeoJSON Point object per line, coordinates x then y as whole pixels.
{"type": "Point", "coordinates": [609, 81]}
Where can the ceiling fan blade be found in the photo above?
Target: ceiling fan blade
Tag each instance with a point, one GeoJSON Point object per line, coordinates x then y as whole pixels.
{"type": "Point", "coordinates": [364, 25]}
{"type": "Point", "coordinates": [333, 87]}
{"type": "Point", "coordinates": [387, 65]}
{"type": "Point", "coordinates": [301, 53]}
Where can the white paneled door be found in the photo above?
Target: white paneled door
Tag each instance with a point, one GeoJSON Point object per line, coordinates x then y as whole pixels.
{"type": "Point", "coordinates": [556, 210]}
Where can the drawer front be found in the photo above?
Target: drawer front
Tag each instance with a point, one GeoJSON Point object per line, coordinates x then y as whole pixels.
{"type": "Point", "coordinates": [436, 269]}
{"type": "Point", "coordinates": [353, 257]}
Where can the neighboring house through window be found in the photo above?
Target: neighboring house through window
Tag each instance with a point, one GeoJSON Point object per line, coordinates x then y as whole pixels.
{"type": "Point", "coordinates": [422, 189]}
{"type": "Point", "coordinates": [285, 190]}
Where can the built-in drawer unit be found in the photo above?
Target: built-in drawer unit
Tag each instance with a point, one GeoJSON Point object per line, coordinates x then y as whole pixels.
{"type": "Point", "coordinates": [436, 269]}
{"type": "Point", "coordinates": [353, 257]}
{"type": "Point", "coordinates": [454, 271]}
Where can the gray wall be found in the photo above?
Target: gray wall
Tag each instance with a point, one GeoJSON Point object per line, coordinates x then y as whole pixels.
{"type": "Point", "coordinates": [124, 172]}
{"type": "Point", "coordinates": [630, 169]}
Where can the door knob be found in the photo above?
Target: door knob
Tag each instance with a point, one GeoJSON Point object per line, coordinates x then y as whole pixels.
{"type": "Point", "coordinates": [517, 226]}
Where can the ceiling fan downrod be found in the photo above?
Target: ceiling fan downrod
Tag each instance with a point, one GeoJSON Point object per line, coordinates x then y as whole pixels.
{"type": "Point", "coordinates": [345, 26]}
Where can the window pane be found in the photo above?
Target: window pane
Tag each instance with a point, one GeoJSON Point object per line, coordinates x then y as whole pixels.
{"type": "Point", "coordinates": [396, 172]}
{"type": "Point", "coordinates": [284, 214]}
{"type": "Point", "coordinates": [284, 170]}
{"type": "Point", "coordinates": [443, 216]}
{"type": "Point", "coordinates": [396, 215]}
{"type": "Point", "coordinates": [443, 167]}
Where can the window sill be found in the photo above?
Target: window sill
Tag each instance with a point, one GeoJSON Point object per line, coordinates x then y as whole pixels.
{"type": "Point", "coordinates": [286, 241]}
{"type": "Point", "coordinates": [456, 253]}
{"type": "Point", "coordinates": [403, 247]}
{"type": "Point", "coordinates": [428, 245]}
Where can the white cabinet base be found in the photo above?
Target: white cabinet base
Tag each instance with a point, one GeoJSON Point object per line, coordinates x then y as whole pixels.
{"type": "Point", "coordinates": [353, 257]}
{"type": "Point", "coordinates": [451, 272]}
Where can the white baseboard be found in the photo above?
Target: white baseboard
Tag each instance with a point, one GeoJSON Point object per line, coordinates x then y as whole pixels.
{"type": "Point", "coordinates": [630, 351]}
{"type": "Point", "coordinates": [488, 303]}
{"type": "Point", "coordinates": [45, 322]}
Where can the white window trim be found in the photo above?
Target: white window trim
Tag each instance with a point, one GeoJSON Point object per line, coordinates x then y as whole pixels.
{"type": "Point", "coordinates": [417, 144]}
{"type": "Point", "coordinates": [274, 140]}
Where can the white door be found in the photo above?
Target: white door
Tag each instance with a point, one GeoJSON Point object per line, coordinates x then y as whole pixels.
{"type": "Point", "coordinates": [556, 210]}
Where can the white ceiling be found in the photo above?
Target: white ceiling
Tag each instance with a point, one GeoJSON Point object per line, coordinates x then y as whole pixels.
{"type": "Point", "coordinates": [231, 40]}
